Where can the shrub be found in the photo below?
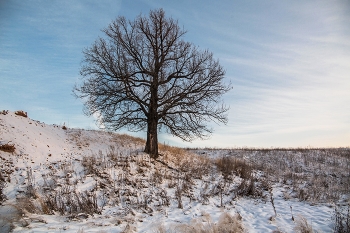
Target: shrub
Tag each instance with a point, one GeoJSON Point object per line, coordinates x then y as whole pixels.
{"type": "Point", "coordinates": [248, 188]}
{"type": "Point", "coordinates": [21, 113]}
{"type": "Point", "coordinates": [8, 148]}
{"type": "Point", "coordinates": [228, 165]}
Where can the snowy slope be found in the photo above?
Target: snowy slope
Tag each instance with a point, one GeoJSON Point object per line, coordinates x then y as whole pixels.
{"type": "Point", "coordinates": [132, 193]}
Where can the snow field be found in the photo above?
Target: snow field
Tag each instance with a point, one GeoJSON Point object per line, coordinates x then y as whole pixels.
{"type": "Point", "coordinates": [75, 180]}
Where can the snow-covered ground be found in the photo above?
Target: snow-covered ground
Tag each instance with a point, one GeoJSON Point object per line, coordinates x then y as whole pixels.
{"type": "Point", "coordinates": [74, 180]}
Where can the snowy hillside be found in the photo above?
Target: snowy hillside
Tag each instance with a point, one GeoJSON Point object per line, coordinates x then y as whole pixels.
{"type": "Point", "coordinates": [75, 180]}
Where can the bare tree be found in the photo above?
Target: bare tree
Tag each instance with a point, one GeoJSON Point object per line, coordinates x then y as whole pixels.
{"type": "Point", "coordinates": [143, 75]}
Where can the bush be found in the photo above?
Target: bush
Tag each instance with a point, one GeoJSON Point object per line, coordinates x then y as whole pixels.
{"type": "Point", "coordinates": [8, 148]}
{"type": "Point", "coordinates": [228, 165]}
{"type": "Point", "coordinates": [248, 188]}
{"type": "Point", "coordinates": [21, 113]}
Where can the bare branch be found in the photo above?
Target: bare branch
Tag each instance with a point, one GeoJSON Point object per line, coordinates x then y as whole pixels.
{"type": "Point", "coordinates": [144, 75]}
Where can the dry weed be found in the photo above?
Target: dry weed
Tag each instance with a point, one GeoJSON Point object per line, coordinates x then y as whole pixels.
{"type": "Point", "coordinates": [185, 161]}
{"type": "Point", "coordinates": [226, 224]}
{"type": "Point", "coordinates": [2, 186]}
{"type": "Point", "coordinates": [27, 204]}
{"type": "Point", "coordinates": [230, 165]}
{"type": "Point", "coordinates": [10, 148]}
{"type": "Point", "coordinates": [21, 113]}
{"type": "Point", "coordinates": [302, 225]}
{"type": "Point", "coordinates": [342, 220]}
{"type": "Point", "coordinates": [127, 138]}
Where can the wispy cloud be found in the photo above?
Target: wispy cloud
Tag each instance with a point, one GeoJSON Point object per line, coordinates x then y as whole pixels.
{"type": "Point", "coordinates": [288, 63]}
{"type": "Point", "coordinates": [290, 77]}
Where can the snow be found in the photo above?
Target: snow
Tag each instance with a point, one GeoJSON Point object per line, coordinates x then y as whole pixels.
{"type": "Point", "coordinates": [50, 158]}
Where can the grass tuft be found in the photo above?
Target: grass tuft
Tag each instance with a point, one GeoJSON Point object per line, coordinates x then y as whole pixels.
{"type": "Point", "coordinates": [302, 225]}
{"type": "Point", "coordinates": [10, 148]}
{"type": "Point", "coordinates": [226, 224]}
{"type": "Point", "coordinates": [21, 113]}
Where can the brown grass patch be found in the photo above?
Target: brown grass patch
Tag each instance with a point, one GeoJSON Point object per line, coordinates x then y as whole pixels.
{"type": "Point", "coordinates": [21, 113]}
{"type": "Point", "coordinates": [185, 161]}
{"type": "Point", "coordinates": [10, 148]}
{"type": "Point", "coordinates": [128, 138]}
{"type": "Point", "coordinates": [171, 149]}
{"type": "Point", "coordinates": [226, 224]}
{"type": "Point", "coordinates": [229, 165]}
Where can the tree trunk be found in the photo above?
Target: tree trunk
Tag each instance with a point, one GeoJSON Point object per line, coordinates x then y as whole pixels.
{"type": "Point", "coordinates": [152, 139]}
{"type": "Point", "coordinates": [152, 122]}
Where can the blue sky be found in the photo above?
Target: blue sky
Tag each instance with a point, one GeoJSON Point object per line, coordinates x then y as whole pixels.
{"type": "Point", "coordinates": [288, 61]}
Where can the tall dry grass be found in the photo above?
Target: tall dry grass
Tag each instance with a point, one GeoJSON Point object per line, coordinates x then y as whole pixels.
{"type": "Point", "coordinates": [227, 223]}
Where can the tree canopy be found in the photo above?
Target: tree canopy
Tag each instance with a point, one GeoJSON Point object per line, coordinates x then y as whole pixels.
{"type": "Point", "coordinates": [143, 75]}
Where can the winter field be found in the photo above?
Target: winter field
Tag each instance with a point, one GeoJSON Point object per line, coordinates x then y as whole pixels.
{"type": "Point", "coordinates": [57, 179]}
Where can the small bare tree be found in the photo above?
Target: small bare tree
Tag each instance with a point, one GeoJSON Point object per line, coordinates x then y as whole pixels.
{"type": "Point", "coordinates": [143, 75]}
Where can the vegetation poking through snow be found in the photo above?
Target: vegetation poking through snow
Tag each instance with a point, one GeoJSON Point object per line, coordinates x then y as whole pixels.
{"type": "Point", "coordinates": [81, 175]}
{"type": "Point", "coordinates": [21, 113]}
{"type": "Point", "coordinates": [226, 224]}
{"type": "Point", "coordinates": [342, 219]}
{"type": "Point", "coordinates": [10, 148]}
{"type": "Point", "coordinates": [302, 225]}
{"type": "Point", "coordinates": [2, 186]}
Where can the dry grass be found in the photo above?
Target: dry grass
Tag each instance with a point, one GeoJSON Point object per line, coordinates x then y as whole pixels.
{"type": "Point", "coordinates": [226, 224]}
{"type": "Point", "coordinates": [2, 186]}
{"type": "Point", "coordinates": [171, 149]}
{"type": "Point", "coordinates": [71, 202]}
{"type": "Point", "coordinates": [127, 175]}
{"type": "Point", "coordinates": [325, 172]}
{"type": "Point", "coordinates": [342, 220]}
{"type": "Point", "coordinates": [302, 225]}
{"type": "Point", "coordinates": [230, 165]}
{"type": "Point", "coordinates": [10, 148]}
{"type": "Point", "coordinates": [21, 113]}
{"type": "Point", "coordinates": [185, 161]}
{"type": "Point", "coordinates": [130, 139]}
